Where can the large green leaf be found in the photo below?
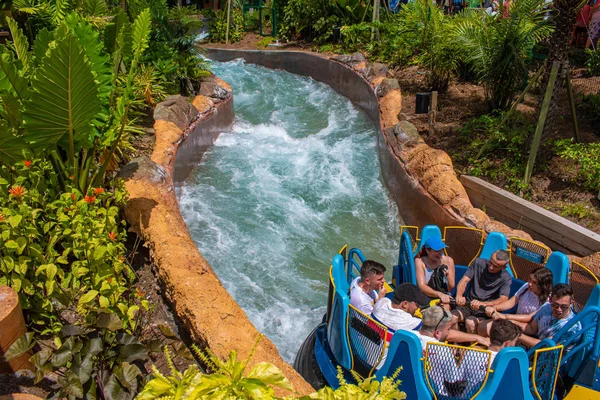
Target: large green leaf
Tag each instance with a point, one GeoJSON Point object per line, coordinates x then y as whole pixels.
{"type": "Point", "coordinates": [95, 8]}
{"type": "Point", "coordinates": [11, 147]}
{"type": "Point", "coordinates": [9, 75]}
{"type": "Point", "coordinates": [66, 97]}
{"type": "Point", "coordinates": [94, 50]}
{"type": "Point", "coordinates": [42, 42]}
{"type": "Point", "coordinates": [20, 42]}
{"type": "Point", "coordinates": [21, 346]}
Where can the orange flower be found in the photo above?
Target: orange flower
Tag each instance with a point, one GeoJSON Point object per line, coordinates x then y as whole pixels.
{"type": "Point", "coordinates": [112, 236]}
{"type": "Point", "coordinates": [98, 190]}
{"type": "Point", "coordinates": [27, 163]}
{"type": "Point", "coordinates": [89, 199]}
{"type": "Point", "coordinates": [2, 219]}
{"type": "Point", "coordinates": [73, 196]}
{"type": "Point", "coordinates": [17, 191]}
{"type": "Point", "coordinates": [110, 280]}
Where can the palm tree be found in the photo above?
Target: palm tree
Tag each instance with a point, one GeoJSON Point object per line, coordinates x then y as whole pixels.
{"type": "Point", "coordinates": [499, 47]}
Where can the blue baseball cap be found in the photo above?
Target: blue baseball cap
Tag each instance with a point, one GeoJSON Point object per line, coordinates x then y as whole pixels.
{"type": "Point", "coordinates": [435, 243]}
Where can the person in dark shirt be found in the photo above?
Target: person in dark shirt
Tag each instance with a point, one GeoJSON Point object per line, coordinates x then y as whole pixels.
{"type": "Point", "coordinates": [490, 285]}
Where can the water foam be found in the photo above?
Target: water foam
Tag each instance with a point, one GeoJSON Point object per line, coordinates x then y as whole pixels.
{"type": "Point", "coordinates": [295, 179]}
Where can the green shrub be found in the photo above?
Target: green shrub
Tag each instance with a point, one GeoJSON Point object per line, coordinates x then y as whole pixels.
{"type": "Point", "coordinates": [590, 107]}
{"type": "Point", "coordinates": [587, 157]}
{"type": "Point", "coordinates": [592, 64]}
{"type": "Point", "coordinates": [505, 160]}
{"type": "Point", "coordinates": [309, 20]}
{"type": "Point", "coordinates": [218, 27]}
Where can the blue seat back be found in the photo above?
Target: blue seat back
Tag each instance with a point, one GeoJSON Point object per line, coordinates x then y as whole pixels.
{"type": "Point", "coordinates": [427, 232]}
{"type": "Point", "coordinates": [509, 378]}
{"type": "Point", "coordinates": [337, 335]}
{"type": "Point", "coordinates": [405, 351]}
{"type": "Point", "coordinates": [354, 264]}
{"type": "Point", "coordinates": [405, 270]}
{"type": "Point", "coordinates": [558, 263]}
{"type": "Point", "coordinates": [494, 241]}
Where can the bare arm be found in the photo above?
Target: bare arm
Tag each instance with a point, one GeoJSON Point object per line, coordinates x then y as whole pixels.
{"type": "Point", "coordinates": [493, 303]}
{"type": "Point", "coordinates": [420, 272]}
{"type": "Point", "coordinates": [451, 273]}
{"type": "Point", "coordinates": [460, 290]}
{"type": "Point", "coordinates": [508, 304]}
{"type": "Point", "coordinates": [456, 336]}
{"type": "Point", "coordinates": [520, 317]}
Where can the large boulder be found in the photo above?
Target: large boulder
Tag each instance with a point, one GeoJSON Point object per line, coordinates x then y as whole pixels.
{"type": "Point", "coordinates": [377, 69]}
{"type": "Point", "coordinates": [211, 89]}
{"type": "Point", "coordinates": [176, 109]}
{"type": "Point", "coordinates": [387, 85]}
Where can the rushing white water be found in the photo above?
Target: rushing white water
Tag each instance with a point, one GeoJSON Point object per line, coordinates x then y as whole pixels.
{"type": "Point", "coordinates": [274, 200]}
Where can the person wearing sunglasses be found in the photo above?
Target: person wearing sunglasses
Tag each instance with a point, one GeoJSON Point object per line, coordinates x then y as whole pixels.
{"type": "Point", "coordinates": [552, 317]}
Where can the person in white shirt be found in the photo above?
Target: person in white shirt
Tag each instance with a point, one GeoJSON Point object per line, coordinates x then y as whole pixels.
{"type": "Point", "coordinates": [399, 313]}
{"type": "Point", "coordinates": [369, 287]}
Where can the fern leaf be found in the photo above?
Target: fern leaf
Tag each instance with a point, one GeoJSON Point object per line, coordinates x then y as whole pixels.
{"type": "Point", "coordinates": [141, 34]}
{"type": "Point", "coordinates": [66, 98]}
{"type": "Point", "coordinates": [20, 42]}
{"type": "Point", "coordinates": [25, 6]}
{"type": "Point", "coordinates": [60, 11]}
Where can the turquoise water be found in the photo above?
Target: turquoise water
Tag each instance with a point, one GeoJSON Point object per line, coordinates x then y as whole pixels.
{"type": "Point", "coordinates": [272, 202]}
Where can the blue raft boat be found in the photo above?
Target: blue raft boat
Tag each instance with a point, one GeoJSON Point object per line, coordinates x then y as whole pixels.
{"type": "Point", "coordinates": [354, 341]}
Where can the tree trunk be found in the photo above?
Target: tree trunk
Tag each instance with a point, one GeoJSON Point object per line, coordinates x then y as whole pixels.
{"type": "Point", "coordinates": [563, 16]}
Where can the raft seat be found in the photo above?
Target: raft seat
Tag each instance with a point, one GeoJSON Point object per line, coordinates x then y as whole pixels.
{"type": "Point", "coordinates": [368, 341]}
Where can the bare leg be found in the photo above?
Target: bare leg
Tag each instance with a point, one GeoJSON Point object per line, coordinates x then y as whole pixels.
{"type": "Point", "coordinates": [483, 329]}
{"type": "Point", "coordinates": [471, 324]}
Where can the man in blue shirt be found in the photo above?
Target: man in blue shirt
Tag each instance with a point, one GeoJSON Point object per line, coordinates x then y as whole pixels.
{"type": "Point", "coordinates": [552, 317]}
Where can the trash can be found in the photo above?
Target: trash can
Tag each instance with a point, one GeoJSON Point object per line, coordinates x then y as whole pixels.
{"type": "Point", "coordinates": [423, 100]}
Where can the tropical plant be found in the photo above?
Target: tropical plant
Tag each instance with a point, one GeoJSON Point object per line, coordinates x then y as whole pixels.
{"type": "Point", "coordinates": [218, 27]}
{"type": "Point", "coordinates": [353, 11]}
{"type": "Point", "coordinates": [64, 99]}
{"type": "Point", "coordinates": [228, 380]}
{"type": "Point", "coordinates": [427, 28]}
{"type": "Point", "coordinates": [93, 360]}
{"type": "Point", "coordinates": [309, 20]}
{"type": "Point", "coordinates": [498, 48]}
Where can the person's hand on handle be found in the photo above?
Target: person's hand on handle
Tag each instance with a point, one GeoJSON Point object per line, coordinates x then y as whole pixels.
{"type": "Point", "coordinates": [460, 301]}
{"type": "Point", "coordinates": [475, 304]}
{"type": "Point", "coordinates": [490, 311]}
{"type": "Point", "coordinates": [444, 298]}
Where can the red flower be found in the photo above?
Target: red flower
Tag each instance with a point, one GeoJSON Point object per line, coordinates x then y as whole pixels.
{"type": "Point", "coordinates": [27, 163]}
{"type": "Point", "coordinates": [2, 219]}
{"type": "Point", "coordinates": [17, 191]}
{"type": "Point", "coordinates": [89, 199]}
{"type": "Point", "coordinates": [112, 236]}
{"type": "Point", "coordinates": [98, 190]}
{"type": "Point", "coordinates": [73, 196]}
{"type": "Point", "coordinates": [110, 280]}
